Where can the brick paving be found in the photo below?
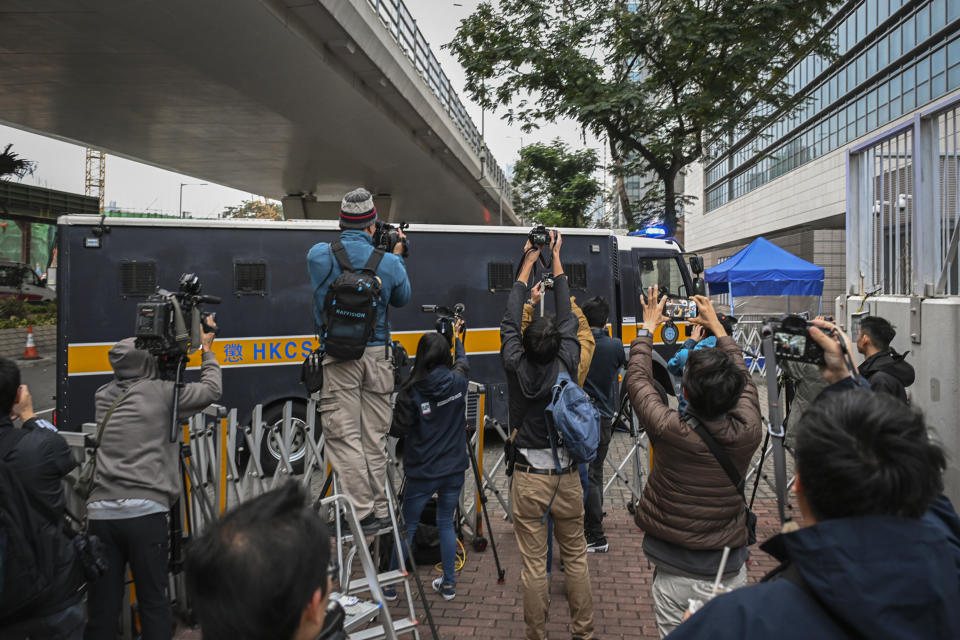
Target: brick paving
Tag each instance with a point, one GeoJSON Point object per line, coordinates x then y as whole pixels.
{"type": "Point", "coordinates": [620, 579]}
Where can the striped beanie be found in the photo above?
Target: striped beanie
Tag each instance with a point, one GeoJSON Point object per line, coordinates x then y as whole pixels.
{"type": "Point", "coordinates": [357, 210]}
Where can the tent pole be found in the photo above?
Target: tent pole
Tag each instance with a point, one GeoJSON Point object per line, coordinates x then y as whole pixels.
{"type": "Point", "coordinates": [820, 306]}
{"type": "Point", "coordinates": [788, 304]}
{"type": "Point", "coordinates": [731, 300]}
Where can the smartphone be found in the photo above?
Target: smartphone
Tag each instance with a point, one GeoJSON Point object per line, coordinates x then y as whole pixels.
{"type": "Point", "coordinates": [680, 309]}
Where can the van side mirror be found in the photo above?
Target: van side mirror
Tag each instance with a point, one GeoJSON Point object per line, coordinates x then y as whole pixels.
{"type": "Point", "coordinates": [699, 287]}
{"type": "Point", "coordinates": [696, 264]}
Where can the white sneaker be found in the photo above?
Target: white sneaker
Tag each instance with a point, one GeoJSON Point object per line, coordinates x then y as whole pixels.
{"type": "Point", "coordinates": [446, 590]}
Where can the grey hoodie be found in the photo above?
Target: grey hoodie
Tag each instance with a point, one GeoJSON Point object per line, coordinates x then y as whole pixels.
{"type": "Point", "coordinates": [136, 458]}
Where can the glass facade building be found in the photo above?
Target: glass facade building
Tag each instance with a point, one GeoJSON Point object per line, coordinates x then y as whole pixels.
{"type": "Point", "coordinates": [894, 56]}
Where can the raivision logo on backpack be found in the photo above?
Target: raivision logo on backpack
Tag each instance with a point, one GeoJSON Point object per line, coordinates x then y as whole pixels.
{"type": "Point", "coordinates": [350, 308]}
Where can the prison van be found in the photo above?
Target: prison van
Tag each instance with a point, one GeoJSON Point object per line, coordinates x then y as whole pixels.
{"type": "Point", "coordinates": [258, 268]}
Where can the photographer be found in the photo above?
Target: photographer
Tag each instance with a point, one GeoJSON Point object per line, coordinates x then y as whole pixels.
{"type": "Point", "coordinates": [136, 483]}
{"type": "Point", "coordinates": [879, 552]}
{"type": "Point", "coordinates": [690, 509]}
{"type": "Point", "coordinates": [38, 459]}
{"type": "Point", "coordinates": [355, 401]}
{"type": "Point", "coordinates": [533, 358]}
{"type": "Point", "coordinates": [260, 572]}
{"type": "Point", "coordinates": [429, 414]}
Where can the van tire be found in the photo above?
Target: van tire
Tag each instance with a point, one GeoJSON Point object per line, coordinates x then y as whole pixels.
{"type": "Point", "coordinates": [621, 422]}
{"type": "Point", "coordinates": [269, 452]}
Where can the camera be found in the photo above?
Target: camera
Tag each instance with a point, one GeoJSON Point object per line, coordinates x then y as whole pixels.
{"type": "Point", "coordinates": [792, 341]}
{"type": "Point", "coordinates": [386, 237]}
{"type": "Point", "coordinates": [680, 309]}
{"type": "Point", "coordinates": [547, 282]}
{"type": "Point", "coordinates": [446, 318]}
{"type": "Point", "coordinates": [539, 236]}
{"type": "Point", "coordinates": [169, 324]}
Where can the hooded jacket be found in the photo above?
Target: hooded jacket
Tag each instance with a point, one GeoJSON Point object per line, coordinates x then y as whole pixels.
{"type": "Point", "coordinates": [689, 500]}
{"type": "Point", "coordinates": [884, 577]}
{"type": "Point", "coordinates": [136, 458]}
{"type": "Point", "coordinates": [529, 383]}
{"type": "Point", "coordinates": [889, 372]}
{"type": "Point", "coordinates": [432, 417]}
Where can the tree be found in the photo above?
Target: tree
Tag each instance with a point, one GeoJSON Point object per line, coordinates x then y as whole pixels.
{"type": "Point", "coordinates": [553, 185]}
{"type": "Point", "coordinates": [11, 164]}
{"type": "Point", "coordinates": [658, 79]}
{"type": "Point", "coordinates": [255, 209]}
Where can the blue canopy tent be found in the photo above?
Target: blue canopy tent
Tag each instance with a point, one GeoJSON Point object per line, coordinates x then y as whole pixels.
{"type": "Point", "coordinates": [764, 269]}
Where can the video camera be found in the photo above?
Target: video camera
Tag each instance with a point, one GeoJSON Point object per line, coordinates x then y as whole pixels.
{"type": "Point", "coordinates": [169, 324]}
{"type": "Point", "coordinates": [447, 318]}
{"type": "Point", "coordinates": [792, 341]}
{"type": "Point", "coordinates": [386, 237]}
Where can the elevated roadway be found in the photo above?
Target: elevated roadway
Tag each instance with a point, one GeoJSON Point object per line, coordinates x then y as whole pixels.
{"type": "Point", "coordinates": [308, 98]}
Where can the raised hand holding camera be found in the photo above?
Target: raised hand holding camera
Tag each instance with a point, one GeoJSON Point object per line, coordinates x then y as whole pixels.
{"type": "Point", "coordinates": [707, 316]}
{"type": "Point", "coordinates": [653, 309]}
{"type": "Point", "coordinates": [837, 349]}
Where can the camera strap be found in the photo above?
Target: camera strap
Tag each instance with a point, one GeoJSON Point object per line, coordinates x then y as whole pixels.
{"type": "Point", "coordinates": [697, 426]}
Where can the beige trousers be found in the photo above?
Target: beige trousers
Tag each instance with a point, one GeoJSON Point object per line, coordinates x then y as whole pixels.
{"type": "Point", "coordinates": [355, 414]}
{"type": "Point", "coordinates": [672, 594]}
{"type": "Point", "coordinates": [530, 494]}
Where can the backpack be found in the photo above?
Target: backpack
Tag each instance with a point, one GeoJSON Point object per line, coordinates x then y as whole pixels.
{"type": "Point", "coordinates": [351, 305]}
{"type": "Point", "coordinates": [26, 560]}
{"type": "Point", "coordinates": [573, 421]}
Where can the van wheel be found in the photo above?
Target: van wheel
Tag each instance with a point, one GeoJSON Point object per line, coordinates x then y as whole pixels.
{"type": "Point", "coordinates": [621, 421]}
{"type": "Point", "coordinates": [270, 445]}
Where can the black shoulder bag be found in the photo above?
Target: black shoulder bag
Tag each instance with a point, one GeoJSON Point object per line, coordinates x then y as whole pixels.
{"type": "Point", "coordinates": [728, 467]}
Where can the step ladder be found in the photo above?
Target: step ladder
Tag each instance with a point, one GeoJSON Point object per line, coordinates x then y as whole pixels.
{"type": "Point", "coordinates": [368, 619]}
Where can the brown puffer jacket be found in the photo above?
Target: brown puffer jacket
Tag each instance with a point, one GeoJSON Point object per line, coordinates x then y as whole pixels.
{"type": "Point", "coordinates": [689, 499]}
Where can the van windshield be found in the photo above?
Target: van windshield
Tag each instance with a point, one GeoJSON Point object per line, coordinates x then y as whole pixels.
{"type": "Point", "coordinates": [664, 273]}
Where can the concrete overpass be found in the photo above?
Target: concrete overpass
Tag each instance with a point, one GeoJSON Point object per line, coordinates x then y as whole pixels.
{"type": "Point", "coordinates": [277, 97]}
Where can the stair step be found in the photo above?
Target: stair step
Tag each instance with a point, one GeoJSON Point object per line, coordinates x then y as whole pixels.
{"type": "Point", "coordinates": [405, 625]}
{"type": "Point", "coordinates": [360, 614]}
{"type": "Point", "coordinates": [349, 537]}
{"type": "Point", "coordinates": [385, 579]}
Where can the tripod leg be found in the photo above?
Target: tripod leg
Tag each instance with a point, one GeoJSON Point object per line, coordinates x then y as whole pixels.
{"type": "Point", "coordinates": [486, 515]}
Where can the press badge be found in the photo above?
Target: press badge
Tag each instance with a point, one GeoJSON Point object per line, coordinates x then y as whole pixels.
{"type": "Point", "coordinates": [425, 408]}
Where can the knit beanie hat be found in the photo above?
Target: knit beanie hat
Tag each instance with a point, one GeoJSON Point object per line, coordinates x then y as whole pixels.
{"type": "Point", "coordinates": [357, 210]}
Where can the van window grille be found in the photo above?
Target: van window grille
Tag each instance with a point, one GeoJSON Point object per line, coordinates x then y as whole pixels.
{"type": "Point", "coordinates": [500, 276]}
{"type": "Point", "coordinates": [137, 278]}
{"type": "Point", "coordinates": [250, 278]}
{"type": "Point", "coordinates": [576, 275]}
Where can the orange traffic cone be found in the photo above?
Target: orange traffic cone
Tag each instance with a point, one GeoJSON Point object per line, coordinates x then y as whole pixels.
{"type": "Point", "coordinates": [30, 352]}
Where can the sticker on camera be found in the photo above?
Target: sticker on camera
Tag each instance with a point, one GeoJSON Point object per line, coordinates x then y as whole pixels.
{"type": "Point", "coordinates": [425, 408]}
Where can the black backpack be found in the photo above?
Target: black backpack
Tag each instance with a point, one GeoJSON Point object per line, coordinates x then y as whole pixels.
{"type": "Point", "coordinates": [350, 308]}
{"type": "Point", "coordinates": [26, 556]}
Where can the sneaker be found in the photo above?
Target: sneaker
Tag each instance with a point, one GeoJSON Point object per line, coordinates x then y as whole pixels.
{"type": "Point", "coordinates": [370, 525]}
{"type": "Point", "coordinates": [597, 545]}
{"type": "Point", "coordinates": [446, 590]}
{"type": "Point", "coordinates": [389, 594]}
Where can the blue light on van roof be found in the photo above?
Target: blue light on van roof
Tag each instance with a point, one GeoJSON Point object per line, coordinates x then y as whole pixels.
{"type": "Point", "coordinates": [653, 231]}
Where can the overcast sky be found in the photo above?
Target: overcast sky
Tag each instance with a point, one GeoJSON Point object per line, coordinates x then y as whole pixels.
{"type": "Point", "coordinates": [139, 187]}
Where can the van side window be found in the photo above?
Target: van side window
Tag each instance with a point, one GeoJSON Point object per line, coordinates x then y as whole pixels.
{"type": "Point", "coordinates": [576, 275]}
{"type": "Point", "coordinates": [500, 276]}
{"type": "Point", "coordinates": [137, 278]}
{"type": "Point", "coordinates": [249, 278]}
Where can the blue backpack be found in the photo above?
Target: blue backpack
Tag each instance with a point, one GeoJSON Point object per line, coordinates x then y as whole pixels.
{"type": "Point", "coordinates": [573, 422]}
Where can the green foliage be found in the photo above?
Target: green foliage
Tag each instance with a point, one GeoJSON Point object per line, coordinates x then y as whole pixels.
{"type": "Point", "coordinates": [11, 164]}
{"type": "Point", "coordinates": [553, 185]}
{"type": "Point", "coordinates": [255, 209]}
{"type": "Point", "coordinates": [658, 79]}
{"type": "Point", "coordinates": [17, 313]}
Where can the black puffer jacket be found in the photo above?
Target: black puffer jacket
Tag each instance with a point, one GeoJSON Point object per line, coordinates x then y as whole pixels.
{"type": "Point", "coordinates": [41, 458]}
{"type": "Point", "coordinates": [889, 372]}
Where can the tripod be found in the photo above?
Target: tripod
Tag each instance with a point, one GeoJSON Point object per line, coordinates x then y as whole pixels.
{"type": "Point", "coordinates": [482, 496]}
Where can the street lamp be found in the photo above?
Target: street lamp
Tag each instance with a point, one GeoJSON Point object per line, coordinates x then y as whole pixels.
{"type": "Point", "coordinates": [187, 184]}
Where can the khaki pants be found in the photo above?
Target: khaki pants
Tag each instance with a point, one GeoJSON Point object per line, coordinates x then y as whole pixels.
{"type": "Point", "coordinates": [672, 594]}
{"type": "Point", "coordinates": [530, 494]}
{"type": "Point", "coordinates": [355, 413]}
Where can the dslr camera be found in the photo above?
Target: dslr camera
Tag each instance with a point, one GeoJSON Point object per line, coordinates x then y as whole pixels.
{"type": "Point", "coordinates": [792, 341]}
{"type": "Point", "coordinates": [539, 236]}
{"type": "Point", "coordinates": [386, 237]}
{"type": "Point", "coordinates": [169, 324]}
{"type": "Point", "coordinates": [447, 318]}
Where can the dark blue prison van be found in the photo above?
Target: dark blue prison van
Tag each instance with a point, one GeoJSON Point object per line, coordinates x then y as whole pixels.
{"type": "Point", "coordinates": [106, 266]}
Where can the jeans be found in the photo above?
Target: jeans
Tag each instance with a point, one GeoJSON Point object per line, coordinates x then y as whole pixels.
{"type": "Point", "coordinates": [144, 543]}
{"type": "Point", "coordinates": [593, 516]}
{"type": "Point", "coordinates": [415, 497]}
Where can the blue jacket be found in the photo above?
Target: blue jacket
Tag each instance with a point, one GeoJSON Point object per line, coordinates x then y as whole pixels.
{"type": "Point", "coordinates": [885, 577]}
{"type": "Point", "coordinates": [323, 270]}
{"type": "Point", "coordinates": [433, 416]}
{"type": "Point", "coordinates": [601, 382]}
